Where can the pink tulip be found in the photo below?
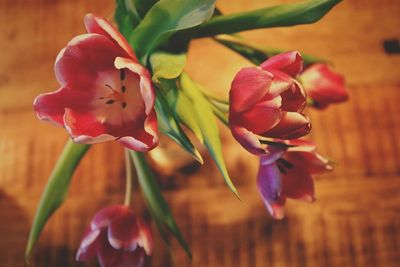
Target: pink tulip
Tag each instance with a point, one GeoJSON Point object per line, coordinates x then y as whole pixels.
{"type": "Point", "coordinates": [105, 94]}
{"type": "Point", "coordinates": [117, 237]}
{"type": "Point", "coordinates": [286, 173]}
{"type": "Point", "coordinates": [323, 85]}
{"type": "Point", "coordinates": [267, 101]}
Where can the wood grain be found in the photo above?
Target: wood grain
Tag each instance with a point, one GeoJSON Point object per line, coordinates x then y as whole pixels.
{"type": "Point", "coordinates": [356, 219]}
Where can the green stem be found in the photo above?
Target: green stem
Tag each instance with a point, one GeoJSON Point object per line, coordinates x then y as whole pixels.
{"type": "Point", "coordinates": [128, 173]}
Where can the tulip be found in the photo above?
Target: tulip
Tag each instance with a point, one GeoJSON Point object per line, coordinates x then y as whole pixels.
{"type": "Point", "coordinates": [104, 94]}
{"type": "Point", "coordinates": [285, 172]}
{"type": "Point", "coordinates": [266, 101]}
{"type": "Point", "coordinates": [323, 86]}
{"type": "Point", "coordinates": [117, 237]}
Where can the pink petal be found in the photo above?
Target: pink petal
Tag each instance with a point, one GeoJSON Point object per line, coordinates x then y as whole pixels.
{"type": "Point", "coordinates": [312, 161]}
{"type": "Point", "coordinates": [104, 217]}
{"type": "Point", "coordinates": [290, 62]}
{"type": "Point", "coordinates": [101, 26]}
{"type": "Point", "coordinates": [85, 128]}
{"type": "Point", "coordinates": [323, 85]}
{"type": "Point", "coordinates": [260, 118]}
{"type": "Point", "coordinates": [292, 125]}
{"type": "Point", "coordinates": [110, 257]}
{"type": "Point", "coordinates": [146, 86]}
{"type": "Point", "coordinates": [146, 238]}
{"type": "Point", "coordinates": [123, 232]}
{"type": "Point", "coordinates": [248, 87]}
{"type": "Point", "coordinates": [89, 245]}
{"type": "Point", "coordinates": [270, 187]}
{"type": "Point", "coordinates": [144, 139]}
{"type": "Point", "coordinates": [247, 139]}
{"type": "Point", "coordinates": [51, 106]}
{"type": "Point", "coordinates": [78, 64]}
{"type": "Point", "coordinates": [281, 82]}
{"type": "Point", "coordinates": [301, 145]}
{"type": "Point", "coordinates": [273, 153]}
{"type": "Point", "coordinates": [294, 99]}
{"type": "Point", "coordinates": [298, 184]}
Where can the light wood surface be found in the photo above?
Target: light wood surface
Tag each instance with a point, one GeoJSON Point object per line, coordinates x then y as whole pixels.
{"type": "Point", "coordinates": [356, 219]}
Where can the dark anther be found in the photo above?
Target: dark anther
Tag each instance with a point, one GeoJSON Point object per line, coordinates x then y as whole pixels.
{"type": "Point", "coordinates": [110, 102]}
{"type": "Point", "coordinates": [286, 163]}
{"type": "Point", "coordinates": [123, 104]}
{"type": "Point", "coordinates": [101, 98]}
{"type": "Point", "coordinates": [109, 86]}
{"type": "Point", "coordinates": [122, 74]}
{"type": "Point", "coordinates": [123, 88]}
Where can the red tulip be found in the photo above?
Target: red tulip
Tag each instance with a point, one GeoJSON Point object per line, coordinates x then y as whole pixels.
{"type": "Point", "coordinates": [117, 237]}
{"type": "Point", "coordinates": [323, 85]}
{"type": "Point", "coordinates": [285, 172]}
{"type": "Point", "coordinates": [105, 94]}
{"type": "Point", "coordinates": [267, 101]}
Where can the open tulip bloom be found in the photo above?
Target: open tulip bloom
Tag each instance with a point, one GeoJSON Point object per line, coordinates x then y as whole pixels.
{"type": "Point", "coordinates": [125, 85]}
{"type": "Point", "coordinates": [105, 93]}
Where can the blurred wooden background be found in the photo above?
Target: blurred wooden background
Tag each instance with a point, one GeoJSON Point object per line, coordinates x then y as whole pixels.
{"type": "Point", "coordinates": [356, 219]}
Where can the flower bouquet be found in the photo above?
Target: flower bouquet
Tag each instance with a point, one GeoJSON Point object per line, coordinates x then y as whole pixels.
{"type": "Point", "coordinates": [125, 82]}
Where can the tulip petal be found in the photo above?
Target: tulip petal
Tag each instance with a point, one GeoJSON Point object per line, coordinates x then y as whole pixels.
{"type": "Point", "coordinates": [144, 139]}
{"type": "Point", "coordinates": [323, 85]}
{"type": "Point", "coordinates": [78, 64]}
{"type": "Point", "coordinates": [85, 128]}
{"type": "Point", "coordinates": [248, 87]}
{"type": "Point", "coordinates": [146, 86]}
{"type": "Point", "coordinates": [290, 63]}
{"type": "Point", "coordinates": [292, 125]}
{"type": "Point", "coordinates": [294, 100]}
{"type": "Point", "coordinates": [89, 245]}
{"type": "Point", "coordinates": [104, 217]}
{"type": "Point", "coordinates": [247, 139]}
{"type": "Point", "coordinates": [312, 161]}
{"type": "Point", "coordinates": [101, 26]}
{"type": "Point", "coordinates": [298, 184]}
{"type": "Point", "coordinates": [301, 145]}
{"type": "Point", "coordinates": [261, 118]}
{"type": "Point", "coordinates": [51, 106]}
{"type": "Point", "coordinates": [281, 83]}
{"type": "Point", "coordinates": [123, 232]}
{"type": "Point", "coordinates": [146, 238]}
{"type": "Point", "coordinates": [269, 185]}
{"type": "Point", "coordinates": [110, 257]}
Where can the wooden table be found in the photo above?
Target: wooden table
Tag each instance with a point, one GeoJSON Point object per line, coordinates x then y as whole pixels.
{"type": "Point", "coordinates": [356, 220]}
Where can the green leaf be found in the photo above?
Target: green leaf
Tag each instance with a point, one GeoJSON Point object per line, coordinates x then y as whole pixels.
{"type": "Point", "coordinates": [166, 65]}
{"type": "Point", "coordinates": [56, 190]}
{"type": "Point", "coordinates": [143, 6]}
{"type": "Point", "coordinates": [257, 54]}
{"type": "Point", "coordinates": [165, 18]}
{"type": "Point", "coordinates": [184, 110]}
{"type": "Point", "coordinates": [167, 124]}
{"type": "Point", "coordinates": [126, 16]}
{"type": "Point", "coordinates": [306, 12]}
{"type": "Point", "coordinates": [155, 200]}
{"type": "Point", "coordinates": [205, 117]}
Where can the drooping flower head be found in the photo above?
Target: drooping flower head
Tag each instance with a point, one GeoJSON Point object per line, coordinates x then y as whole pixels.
{"type": "Point", "coordinates": [267, 101]}
{"type": "Point", "coordinates": [117, 237]}
{"type": "Point", "coordinates": [104, 94]}
{"type": "Point", "coordinates": [285, 172]}
{"type": "Point", "coordinates": [323, 85]}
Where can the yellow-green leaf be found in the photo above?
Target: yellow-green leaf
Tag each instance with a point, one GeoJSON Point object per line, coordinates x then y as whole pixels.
{"type": "Point", "coordinates": [205, 117]}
